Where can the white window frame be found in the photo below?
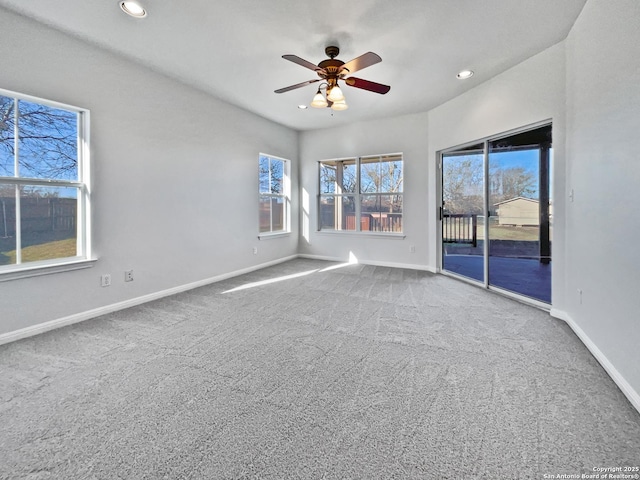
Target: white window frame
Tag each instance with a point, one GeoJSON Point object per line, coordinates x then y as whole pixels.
{"type": "Point", "coordinates": [83, 257]}
{"type": "Point", "coordinates": [358, 194]}
{"type": "Point", "coordinates": [285, 196]}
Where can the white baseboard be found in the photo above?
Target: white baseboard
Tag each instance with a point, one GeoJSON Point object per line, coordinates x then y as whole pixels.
{"type": "Point", "coordinates": [96, 312]}
{"type": "Point", "coordinates": [322, 257]}
{"type": "Point", "coordinates": [409, 266]}
{"type": "Point", "coordinates": [628, 391]}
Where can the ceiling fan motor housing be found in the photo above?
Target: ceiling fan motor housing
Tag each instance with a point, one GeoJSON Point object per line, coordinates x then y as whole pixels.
{"type": "Point", "coordinates": [332, 51]}
{"type": "Point", "coordinates": [331, 66]}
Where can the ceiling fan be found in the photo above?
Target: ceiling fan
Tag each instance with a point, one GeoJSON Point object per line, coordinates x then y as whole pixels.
{"type": "Point", "coordinates": [330, 71]}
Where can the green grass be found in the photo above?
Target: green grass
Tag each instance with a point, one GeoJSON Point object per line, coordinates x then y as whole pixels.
{"type": "Point", "coordinates": [45, 251]}
{"type": "Point", "coordinates": [503, 232]}
{"type": "Point", "coordinates": [509, 232]}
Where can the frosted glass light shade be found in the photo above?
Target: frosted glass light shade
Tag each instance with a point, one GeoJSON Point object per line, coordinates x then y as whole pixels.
{"type": "Point", "coordinates": [335, 94]}
{"type": "Point", "coordinates": [342, 105]}
{"type": "Point", "coordinates": [319, 101]}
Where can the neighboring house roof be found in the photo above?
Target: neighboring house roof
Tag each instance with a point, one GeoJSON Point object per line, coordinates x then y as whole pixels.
{"type": "Point", "coordinates": [517, 198]}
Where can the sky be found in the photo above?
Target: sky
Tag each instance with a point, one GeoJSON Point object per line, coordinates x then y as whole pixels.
{"type": "Point", "coordinates": [526, 159]}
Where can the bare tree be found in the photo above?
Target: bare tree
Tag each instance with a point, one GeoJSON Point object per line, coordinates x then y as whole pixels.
{"type": "Point", "coordinates": [383, 177]}
{"type": "Point", "coordinates": [338, 177]}
{"type": "Point", "coordinates": [513, 182]}
{"type": "Point", "coordinates": [463, 184]}
{"type": "Point", "coordinates": [47, 140]}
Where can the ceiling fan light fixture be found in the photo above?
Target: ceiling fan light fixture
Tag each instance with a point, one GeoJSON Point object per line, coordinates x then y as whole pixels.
{"type": "Point", "coordinates": [339, 106]}
{"type": "Point", "coordinates": [319, 101]}
{"type": "Point", "coordinates": [332, 70]}
{"type": "Point", "coordinates": [335, 94]}
{"type": "Point", "coordinates": [133, 9]}
{"type": "Point", "coordinates": [464, 74]}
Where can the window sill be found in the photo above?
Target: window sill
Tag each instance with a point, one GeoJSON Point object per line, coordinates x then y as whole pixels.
{"type": "Point", "coordinates": [45, 269]}
{"type": "Point", "coordinates": [389, 236]}
{"type": "Point", "coordinates": [267, 236]}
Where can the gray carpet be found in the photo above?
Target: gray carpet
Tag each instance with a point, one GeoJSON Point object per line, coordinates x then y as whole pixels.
{"type": "Point", "coordinates": [352, 372]}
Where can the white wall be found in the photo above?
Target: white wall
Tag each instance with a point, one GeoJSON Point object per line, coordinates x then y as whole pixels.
{"type": "Point", "coordinates": [603, 224]}
{"type": "Point", "coordinates": [175, 176]}
{"type": "Point", "coordinates": [406, 134]}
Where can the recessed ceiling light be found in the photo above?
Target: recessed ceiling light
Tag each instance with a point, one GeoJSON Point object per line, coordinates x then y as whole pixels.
{"type": "Point", "coordinates": [302, 107]}
{"type": "Point", "coordinates": [133, 8]}
{"type": "Point", "coordinates": [465, 74]}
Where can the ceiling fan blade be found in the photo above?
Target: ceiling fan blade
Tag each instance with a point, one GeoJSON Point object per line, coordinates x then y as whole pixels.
{"type": "Point", "coordinates": [367, 85]}
{"type": "Point", "coordinates": [302, 62]}
{"type": "Point", "coordinates": [363, 61]}
{"type": "Point", "coordinates": [297, 85]}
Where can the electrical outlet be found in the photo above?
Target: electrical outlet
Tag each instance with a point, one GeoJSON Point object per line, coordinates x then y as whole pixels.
{"type": "Point", "coordinates": [128, 276]}
{"type": "Point", "coordinates": [580, 295]}
{"type": "Point", "coordinates": [255, 250]}
{"type": "Point", "coordinates": [412, 249]}
{"type": "Point", "coordinates": [105, 280]}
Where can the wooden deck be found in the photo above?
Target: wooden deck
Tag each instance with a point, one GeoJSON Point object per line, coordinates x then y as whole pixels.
{"type": "Point", "coordinates": [528, 277]}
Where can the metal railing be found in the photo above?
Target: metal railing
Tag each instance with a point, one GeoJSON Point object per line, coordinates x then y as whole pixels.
{"type": "Point", "coordinates": [460, 228]}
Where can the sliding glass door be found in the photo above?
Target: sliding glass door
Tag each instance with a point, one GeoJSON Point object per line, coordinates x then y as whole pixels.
{"type": "Point", "coordinates": [497, 213]}
{"type": "Point", "coordinates": [462, 212]}
{"type": "Point", "coordinates": [519, 206]}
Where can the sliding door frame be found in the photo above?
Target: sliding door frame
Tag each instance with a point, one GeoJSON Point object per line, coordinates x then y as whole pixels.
{"type": "Point", "coordinates": [439, 208]}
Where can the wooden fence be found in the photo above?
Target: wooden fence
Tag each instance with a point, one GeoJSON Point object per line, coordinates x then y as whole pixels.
{"type": "Point", "coordinates": [38, 215]}
{"type": "Point", "coordinates": [376, 222]}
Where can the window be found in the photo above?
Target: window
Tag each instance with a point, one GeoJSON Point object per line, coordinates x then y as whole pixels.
{"type": "Point", "coordinates": [364, 188]}
{"type": "Point", "coordinates": [274, 194]}
{"type": "Point", "coordinates": [43, 183]}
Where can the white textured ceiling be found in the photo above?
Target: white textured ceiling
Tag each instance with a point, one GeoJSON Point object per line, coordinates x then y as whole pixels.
{"type": "Point", "coordinates": [232, 49]}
